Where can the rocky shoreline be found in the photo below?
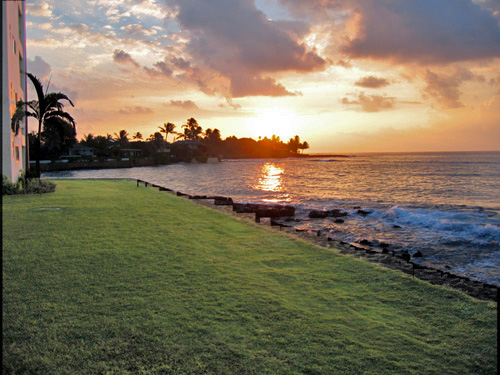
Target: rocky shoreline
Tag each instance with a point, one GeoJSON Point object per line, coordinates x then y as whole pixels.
{"type": "Point", "coordinates": [283, 218]}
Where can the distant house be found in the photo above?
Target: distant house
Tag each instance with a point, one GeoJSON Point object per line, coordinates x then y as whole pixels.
{"type": "Point", "coordinates": [79, 151]}
{"type": "Point", "coordinates": [131, 152]}
{"type": "Point", "coordinates": [192, 145]}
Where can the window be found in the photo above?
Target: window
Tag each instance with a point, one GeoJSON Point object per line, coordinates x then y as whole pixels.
{"type": "Point", "coordinates": [17, 153]}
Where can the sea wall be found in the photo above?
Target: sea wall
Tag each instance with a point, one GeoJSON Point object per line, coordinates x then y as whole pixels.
{"type": "Point", "coordinates": [75, 165]}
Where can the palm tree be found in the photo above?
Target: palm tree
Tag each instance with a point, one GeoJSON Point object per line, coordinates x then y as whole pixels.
{"type": "Point", "coordinates": [192, 131]}
{"type": "Point", "coordinates": [137, 136]}
{"type": "Point", "coordinates": [122, 138]}
{"type": "Point", "coordinates": [167, 128]}
{"type": "Point", "coordinates": [47, 110]}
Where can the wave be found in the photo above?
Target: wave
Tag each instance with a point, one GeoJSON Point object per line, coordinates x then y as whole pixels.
{"type": "Point", "coordinates": [448, 225]}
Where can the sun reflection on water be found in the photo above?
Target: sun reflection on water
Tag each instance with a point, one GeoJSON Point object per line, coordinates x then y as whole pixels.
{"type": "Point", "coordinates": [270, 178]}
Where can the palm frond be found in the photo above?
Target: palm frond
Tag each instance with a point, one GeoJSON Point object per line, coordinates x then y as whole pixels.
{"type": "Point", "coordinates": [53, 98]}
{"type": "Point", "coordinates": [38, 86]}
{"type": "Point", "coordinates": [61, 115]}
{"type": "Point", "coordinates": [18, 116]}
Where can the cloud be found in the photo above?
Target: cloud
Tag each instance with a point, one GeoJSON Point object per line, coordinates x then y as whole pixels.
{"type": "Point", "coordinates": [445, 89]}
{"type": "Point", "coordinates": [136, 30]}
{"type": "Point", "coordinates": [236, 40]}
{"type": "Point", "coordinates": [246, 85]}
{"type": "Point", "coordinates": [371, 103]}
{"type": "Point", "coordinates": [372, 82]}
{"type": "Point", "coordinates": [135, 110]}
{"type": "Point", "coordinates": [186, 104]}
{"type": "Point", "coordinates": [123, 58]}
{"type": "Point", "coordinates": [424, 32]}
{"type": "Point", "coordinates": [39, 67]}
{"type": "Point", "coordinates": [40, 10]}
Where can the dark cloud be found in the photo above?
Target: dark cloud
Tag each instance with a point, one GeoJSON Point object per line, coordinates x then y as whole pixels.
{"type": "Point", "coordinates": [180, 63]}
{"type": "Point", "coordinates": [135, 110]}
{"type": "Point", "coordinates": [344, 63]}
{"type": "Point", "coordinates": [445, 89]}
{"type": "Point", "coordinates": [425, 31]}
{"type": "Point", "coordinates": [371, 103]}
{"type": "Point", "coordinates": [123, 58]}
{"type": "Point", "coordinates": [372, 82]}
{"type": "Point", "coordinates": [163, 68]}
{"type": "Point", "coordinates": [236, 40]}
{"type": "Point", "coordinates": [245, 85]}
{"type": "Point", "coordinates": [39, 67]}
{"type": "Point", "coordinates": [186, 104]}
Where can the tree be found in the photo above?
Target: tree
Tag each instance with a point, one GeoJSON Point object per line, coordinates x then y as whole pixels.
{"type": "Point", "coordinates": [88, 140]}
{"type": "Point", "coordinates": [122, 138]}
{"type": "Point", "coordinates": [167, 128]}
{"type": "Point", "coordinates": [58, 137]}
{"type": "Point", "coordinates": [48, 110]}
{"type": "Point", "coordinates": [137, 136]}
{"type": "Point", "coordinates": [192, 131]}
{"type": "Point", "coordinates": [304, 146]}
{"type": "Point", "coordinates": [294, 144]}
{"type": "Point", "coordinates": [213, 141]}
{"type": "Point", "coordinates": [156, 140]}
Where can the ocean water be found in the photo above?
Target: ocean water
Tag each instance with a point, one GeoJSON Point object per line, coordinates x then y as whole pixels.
{"type": "Point", "coordinates": [445, 205]}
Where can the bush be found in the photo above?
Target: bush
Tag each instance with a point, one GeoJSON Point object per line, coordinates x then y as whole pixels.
{"type": "Point", "coordinates": [26, 185]}
{"type": "Point", "coordinates": [9, 188]}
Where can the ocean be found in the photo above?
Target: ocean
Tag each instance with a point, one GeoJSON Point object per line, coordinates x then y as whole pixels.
{"type": "Point", "coordinates": [444, 205]}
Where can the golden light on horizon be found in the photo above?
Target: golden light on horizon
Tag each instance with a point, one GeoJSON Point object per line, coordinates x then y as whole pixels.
{"type": "Point", "coordinates": [282, 122]}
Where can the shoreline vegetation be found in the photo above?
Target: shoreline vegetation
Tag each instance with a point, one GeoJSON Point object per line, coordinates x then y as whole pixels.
{"type": "Point", "coordinates": [110, 277]}
{"type": "Point", "coordinates": [193, 144]}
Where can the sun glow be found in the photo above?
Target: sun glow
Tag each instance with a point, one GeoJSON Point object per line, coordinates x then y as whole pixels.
{"type": "Point", "coordinates": [267, 122]}
{"type": "Point", "coordinates": [270, 179]}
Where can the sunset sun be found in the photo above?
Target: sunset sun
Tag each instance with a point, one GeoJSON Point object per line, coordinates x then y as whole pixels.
{"type": "Point", "coordinates": [281, 122]}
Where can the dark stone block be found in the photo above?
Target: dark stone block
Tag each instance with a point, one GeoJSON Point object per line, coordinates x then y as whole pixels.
{"type": "Point", "coordinates": [364, 212]}
{"type": "Point", "coordinates": [314, 214]}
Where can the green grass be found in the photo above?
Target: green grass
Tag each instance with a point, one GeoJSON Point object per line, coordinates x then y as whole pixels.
{"type": "Point", "coordinates": [129, 280]}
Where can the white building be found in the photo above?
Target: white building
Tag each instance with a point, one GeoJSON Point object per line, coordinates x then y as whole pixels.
{"type": "Point", "coordinates": [14, 148]}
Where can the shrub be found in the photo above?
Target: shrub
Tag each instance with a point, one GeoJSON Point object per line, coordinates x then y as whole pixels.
{"type": "Point", "coordinates": [32, 186]}
{"type": "Point", "coordinates": [26, 185]}
{"type": "Point", "coordinates": [9, 188]}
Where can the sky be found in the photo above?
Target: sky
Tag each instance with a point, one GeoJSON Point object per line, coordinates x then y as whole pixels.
{"type": "Point", "coordinates": [347, 76]}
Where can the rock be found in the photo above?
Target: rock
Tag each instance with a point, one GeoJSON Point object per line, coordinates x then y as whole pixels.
{"type": "Point", "coordinates": [179, 194]}
{"type": "Point", "coordinates": [418, 254]}
{"type": "Point", "coordinates": [223, 201]}
{"type": "Point", "coordinates": [339, 221]}
{"type": "Point", "coordinates": [396, 226]}
{"type": "Point", "coordinates": [383, 245]}
{"type": "Point", "coordinates": [364, 212]}
{"type": "Point", "coordinates": [405, 256]}
{"type": "Point", "coordinates": [317, 214]}
{"type": "Point", "coordinates": [263, 210]}
{"type": "Point", "coordinates": [365, 243]}
{"type": "Point", "coordinates": [314, 214]}
{"type": "Point", "coordinates": [337, 213]}
{"type": "Point", "coordinates": [165, 189]}
{"type": "Point", "coordinates": [275, 211]}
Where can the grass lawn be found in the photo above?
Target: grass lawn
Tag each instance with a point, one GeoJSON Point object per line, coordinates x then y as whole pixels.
{"type": "Point", "coordinates": [104, 277]}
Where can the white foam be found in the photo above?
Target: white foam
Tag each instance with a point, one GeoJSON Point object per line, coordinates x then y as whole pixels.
{"type": "Point", "coordinates": [452, 225]}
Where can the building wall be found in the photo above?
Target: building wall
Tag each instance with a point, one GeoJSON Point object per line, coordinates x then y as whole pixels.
{"type": "Point", "coordinates": [14, 149]}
